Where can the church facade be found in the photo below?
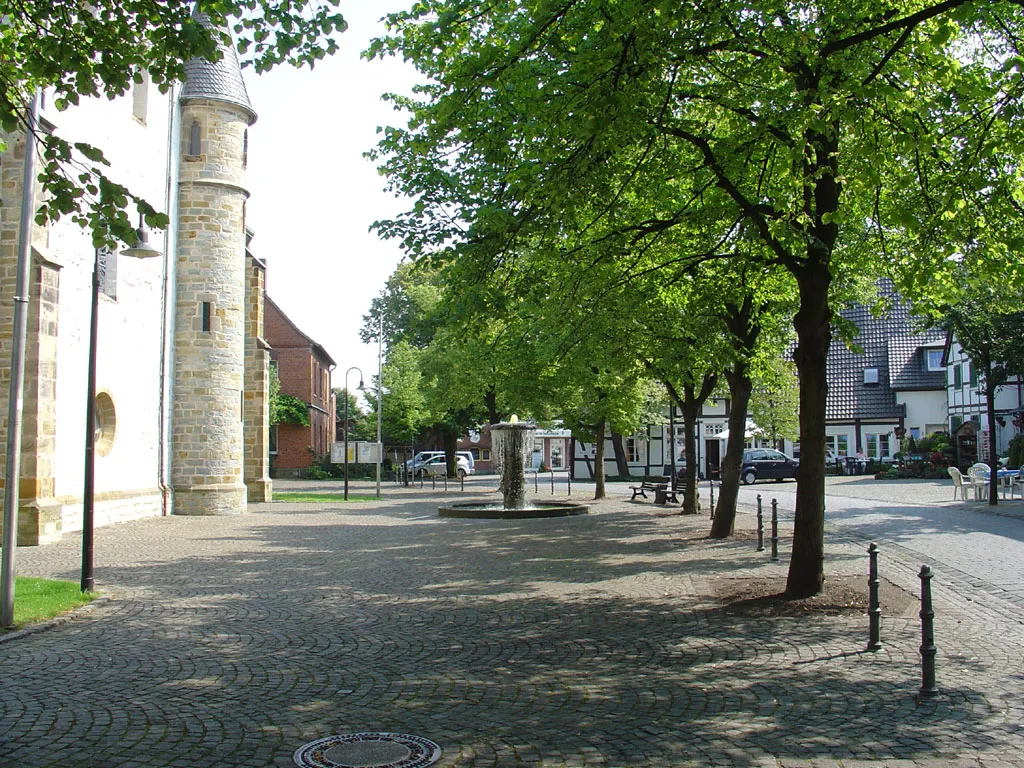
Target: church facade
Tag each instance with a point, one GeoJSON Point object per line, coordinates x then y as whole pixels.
{"type": "Point", "coordinates": [181, 404]}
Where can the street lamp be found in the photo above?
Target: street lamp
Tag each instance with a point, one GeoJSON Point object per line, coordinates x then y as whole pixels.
{"type": "Point", "coordinates": [380, 377]}
{"type": "Point", "coordinates": [141, 250]}
{"type": "Point", "coordinates": [360, 388]}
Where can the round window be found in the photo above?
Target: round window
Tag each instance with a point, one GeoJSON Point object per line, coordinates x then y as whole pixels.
{"type": "Point", "coordinates": [106, 423]}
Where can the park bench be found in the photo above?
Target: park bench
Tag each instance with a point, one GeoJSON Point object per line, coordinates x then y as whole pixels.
{"type": "Point", "coordinates": [660, 485]}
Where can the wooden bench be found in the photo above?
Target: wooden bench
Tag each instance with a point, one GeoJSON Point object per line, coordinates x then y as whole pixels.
{"type": "Point", "coordinates": [656, 483]}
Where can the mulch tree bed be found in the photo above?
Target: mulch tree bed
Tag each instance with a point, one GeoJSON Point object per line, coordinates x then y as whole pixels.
{"type": "Point", "coordinates": [842, 595]}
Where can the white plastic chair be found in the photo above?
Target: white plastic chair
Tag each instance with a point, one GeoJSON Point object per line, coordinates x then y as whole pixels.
{"type": "Point", "coordinates": [1017, 484]}
{"type": "Point", "coordinates": [959, 484]}
{"type": "Point", "coordinates": [977, 474]}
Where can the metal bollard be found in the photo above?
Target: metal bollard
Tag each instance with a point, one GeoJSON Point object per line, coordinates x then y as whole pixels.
{"type": "Point", "coordinates": [536, 481]}
{"type": "Point", "coordinates": [874, 609]}
{"type": "Point", "coordinates": [712, 499]}
{"type": "Point", "coordinates": [462, 483]}
{"type": "Point", "coordinates": [552, 482]}
{"type": "Point", "coordinates": [433, 482]}
{"type": "Point", "coordinates": [928, 688]}
{"type": "Point", "coordinates": [775, 530]}
{"type": "Point", "coordinates": [760, 525]}
{"type": "Point", "coordinates": [446, 482]}
{"type": "Point", "coordinates": [568, 480]}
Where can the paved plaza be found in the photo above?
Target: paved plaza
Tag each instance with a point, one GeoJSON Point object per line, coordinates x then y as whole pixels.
{"type": "Point", "coordinates": [583, 641]}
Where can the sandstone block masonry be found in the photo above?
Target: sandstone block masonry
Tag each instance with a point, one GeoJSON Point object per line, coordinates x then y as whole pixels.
{"type": "Point", "coordinates": [207, 442]}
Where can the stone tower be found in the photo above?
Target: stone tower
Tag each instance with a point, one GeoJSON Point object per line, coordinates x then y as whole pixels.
{"type": "Point", "coordinates": [207, 440]}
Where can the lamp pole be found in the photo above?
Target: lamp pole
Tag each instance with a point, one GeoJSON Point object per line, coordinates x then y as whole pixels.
{"type": "Point", "coordinates": [353, 368]}
{"type": "Point", "coordinates": [141, 250]}
{"type": "Point", "coordinates": [380, 376]}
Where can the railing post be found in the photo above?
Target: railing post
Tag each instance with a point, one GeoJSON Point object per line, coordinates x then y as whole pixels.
{"type": "Point", "coordinates": [760, 525]}
{"type": "Point", "coordinates": [874, 609]}
{"type": "Point", "coordinates": [775, 530]}
{"type": "Point", "coordinates": [928, 688]}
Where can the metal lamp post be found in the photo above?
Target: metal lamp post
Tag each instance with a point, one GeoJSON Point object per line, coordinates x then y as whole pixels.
{"type": "Point", "coordinates": [141, 250]}
{"type": "Point", "coordinates": [380, 376]}
{"type": "Point", "coordinates": [361, 387]}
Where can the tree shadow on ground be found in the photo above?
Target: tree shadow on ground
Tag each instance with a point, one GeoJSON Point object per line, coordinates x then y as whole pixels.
{"type": "Point", "coordinates": [550, 642]}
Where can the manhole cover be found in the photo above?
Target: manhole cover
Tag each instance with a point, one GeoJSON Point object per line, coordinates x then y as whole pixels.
{"type": "Point", "coordinates": [368, 750]}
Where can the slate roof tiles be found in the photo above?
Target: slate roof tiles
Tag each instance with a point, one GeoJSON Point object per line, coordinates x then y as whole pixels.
{"type": "Point", "coordinates": [891, 344]}
{"type": "Point", "coordinates": [217, 81]}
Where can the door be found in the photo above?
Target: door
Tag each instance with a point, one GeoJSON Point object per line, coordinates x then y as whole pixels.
{"type": "Point", "coordinates": [558, 453]}
{"type": "Point", "coordinates": [713, 462]}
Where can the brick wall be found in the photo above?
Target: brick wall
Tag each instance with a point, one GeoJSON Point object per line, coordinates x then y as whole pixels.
{"type": "Point", "coordinates": [303, 368]}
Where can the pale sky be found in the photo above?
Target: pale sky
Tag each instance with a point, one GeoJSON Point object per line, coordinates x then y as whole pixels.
{"type": "Point", "coordinates": [314, 195]}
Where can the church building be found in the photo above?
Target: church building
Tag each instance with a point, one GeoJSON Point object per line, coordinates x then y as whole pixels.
{"type": "Point", "coordinates": [181, 409]}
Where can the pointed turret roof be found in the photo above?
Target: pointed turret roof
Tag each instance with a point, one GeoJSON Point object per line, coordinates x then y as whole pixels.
{"type": "Point", "coordinates": [217, 81]}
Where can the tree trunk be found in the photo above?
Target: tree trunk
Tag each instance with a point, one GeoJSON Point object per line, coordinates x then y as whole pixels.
{"type": "Point", "coordinates": [450, 440]}
{"type": "Point", "coordinates": [599, 462]}
{"type": "Point", "coordinates": [740, 387]}
{"type": "Point", "coordinates": [990, 411]}
{"type": "Point", "coordinates": [620, 455]}
{"type": "Point", "coordinates": [813, 324]}
{"type": "Point", "coordinates": [491, 404]}
{"type": "Point", "coordinates": [690, 409]}
{"type": "Point", "coordinates": [690, 403]}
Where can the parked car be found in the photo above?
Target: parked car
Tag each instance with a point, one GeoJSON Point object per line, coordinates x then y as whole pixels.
{"type": "Point", "coordinates": [767, 464]}
{"type": "Point", "coordinates": [436, 467]}
{"type": "Point", "coordinates": [413, 465]}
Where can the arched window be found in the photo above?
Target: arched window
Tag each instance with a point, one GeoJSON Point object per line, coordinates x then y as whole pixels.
{"type": "Point", "coordinates": [194, 146]}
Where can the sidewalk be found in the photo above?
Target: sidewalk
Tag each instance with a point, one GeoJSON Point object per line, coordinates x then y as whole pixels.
{"type": "Point", "coordinates": [583, 641]}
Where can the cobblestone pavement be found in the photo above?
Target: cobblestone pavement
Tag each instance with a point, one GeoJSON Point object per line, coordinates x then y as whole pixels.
{"type": "Point", "coordinates": [579, 641]}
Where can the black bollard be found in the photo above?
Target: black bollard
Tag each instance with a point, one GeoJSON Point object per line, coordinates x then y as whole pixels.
{"type": "Point", "coordinates": [536, 481]}
{"type": "Point", "coordinates": [568, 481]}
{"type": "Point", "coordinates": [446, 482]}
{"type": "Point", "coordinates": [552, 482]}
{"type": "Point", "coordinates": [712, 499]}
{"type": "Point", "coordinates": [433, 482]}
{"type": "Point", "coordinates": [928, 688]}
{"type": "Point", "coordinates": [874, 609]}
{"type": "Point", "coordinates": [760, 525]}
{"type": "Point", "coordinates": [775, 530]}
{"type": "Point", "coordinates": [462, 483]}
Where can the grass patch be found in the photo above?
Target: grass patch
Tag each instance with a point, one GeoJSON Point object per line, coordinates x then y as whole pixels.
{"type": "Point", "coordinates": [303, 497]}
{"type": "Point", "coordinates": [37, 600]}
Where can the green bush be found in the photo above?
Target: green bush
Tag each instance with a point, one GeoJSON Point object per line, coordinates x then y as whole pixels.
{"type": "Point", "coordinates": [1016, 456]}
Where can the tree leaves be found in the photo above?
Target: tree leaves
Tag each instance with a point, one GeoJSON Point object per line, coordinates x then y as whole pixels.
{"type": "Point", "coordinates": [101, 48]}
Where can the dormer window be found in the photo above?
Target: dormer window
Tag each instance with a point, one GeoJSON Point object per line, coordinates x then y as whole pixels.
{"type": "Point", "coordinates": [870, 377]}
{"type": "Point", "coordinates": [934, 360]}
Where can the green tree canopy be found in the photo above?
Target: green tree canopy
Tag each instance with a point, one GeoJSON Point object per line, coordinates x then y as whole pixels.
{"type": "Point", "coordinates": [841, 137]}
{"type": "Point", "coordinates": [101, 48]}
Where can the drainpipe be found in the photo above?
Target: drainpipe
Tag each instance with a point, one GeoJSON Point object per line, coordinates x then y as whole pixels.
{"type": "Point", "coordinates": [15, 410]}
{"type": "Point", "coordinates": [167, 296]}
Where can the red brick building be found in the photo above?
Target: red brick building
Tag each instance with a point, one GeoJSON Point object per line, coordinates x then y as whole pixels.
{"type": "Point", "coordinates": [304, 369]}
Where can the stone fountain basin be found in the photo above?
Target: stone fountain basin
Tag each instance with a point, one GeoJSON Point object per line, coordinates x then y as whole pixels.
{"type": "Point", "coordinates": [498, 512]}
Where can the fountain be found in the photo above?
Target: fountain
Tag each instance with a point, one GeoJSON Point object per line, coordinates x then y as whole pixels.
{"type": "Point", "coordinates": [511, 444]}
